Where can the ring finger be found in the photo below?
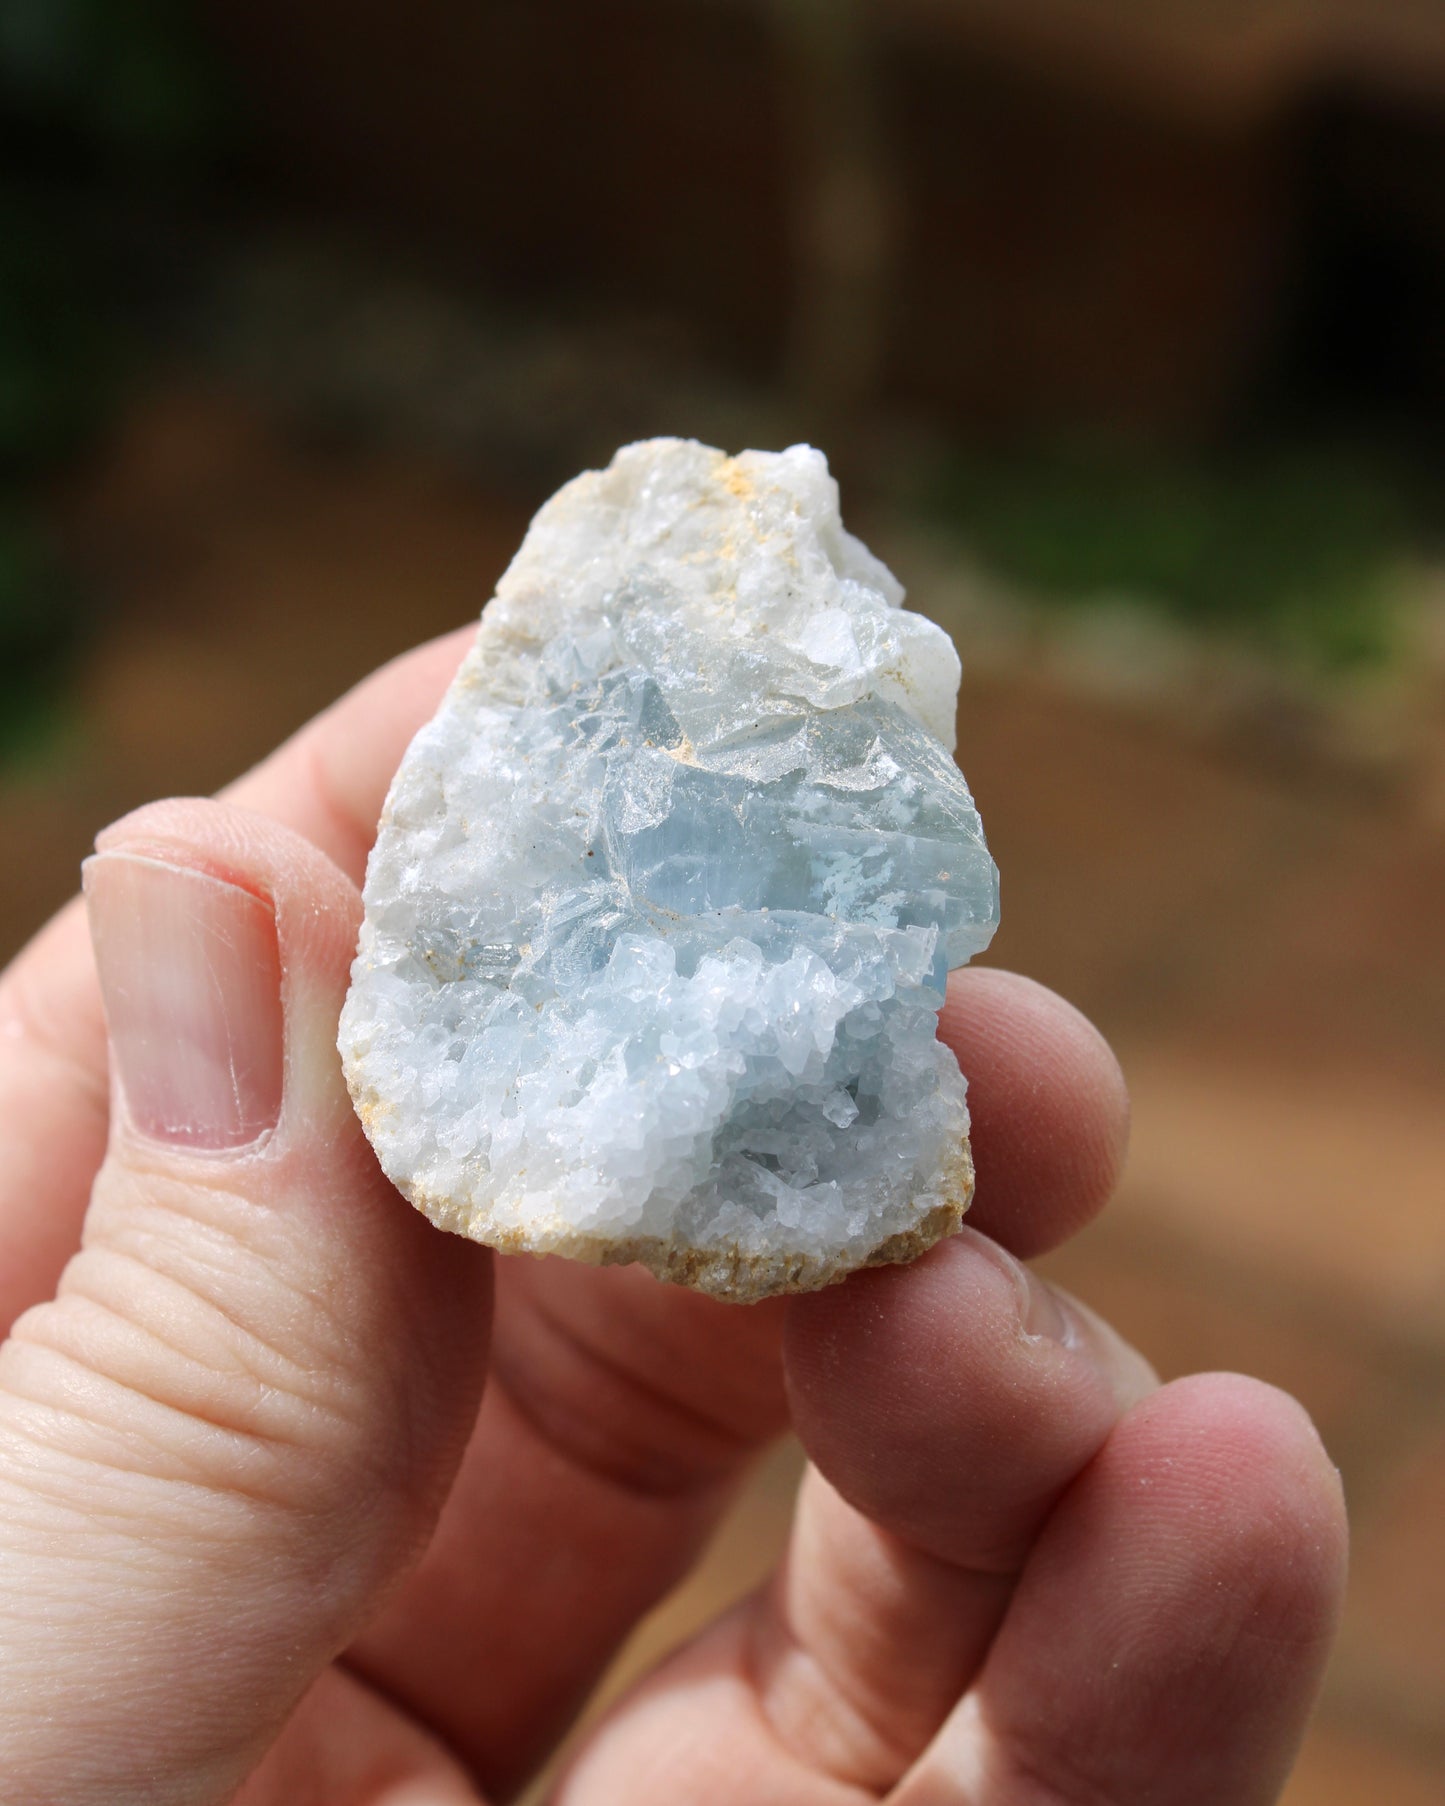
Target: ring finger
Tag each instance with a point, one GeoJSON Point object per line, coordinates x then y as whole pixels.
{"type": "Point", "coordinates": [947, 1407]}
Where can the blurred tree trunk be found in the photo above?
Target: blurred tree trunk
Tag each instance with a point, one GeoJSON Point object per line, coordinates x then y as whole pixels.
{"type": "Point", "coordinates": [844, 205]}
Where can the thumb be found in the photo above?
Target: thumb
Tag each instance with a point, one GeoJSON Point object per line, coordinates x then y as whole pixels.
{"type": "Point", "coordinates": [234, 1425]}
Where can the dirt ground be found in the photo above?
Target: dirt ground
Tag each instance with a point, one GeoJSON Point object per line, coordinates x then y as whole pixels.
{"type": "Point", "coordinates": [1265, 945]}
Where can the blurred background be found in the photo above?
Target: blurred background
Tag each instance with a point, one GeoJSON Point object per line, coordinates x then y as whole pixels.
{"type": "Point", "coordinates": [1124, 328]}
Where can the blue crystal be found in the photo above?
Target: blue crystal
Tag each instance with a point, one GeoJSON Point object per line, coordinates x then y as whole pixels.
{"type": "Point", "coordinates": [664, 900]}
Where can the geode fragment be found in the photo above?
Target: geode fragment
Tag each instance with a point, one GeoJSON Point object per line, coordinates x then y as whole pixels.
{"type": "Point", "coordinates": [664, 898]}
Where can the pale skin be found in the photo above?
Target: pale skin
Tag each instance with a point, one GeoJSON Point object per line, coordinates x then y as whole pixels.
{"type": "Point", "coordinates": [263, 1535]}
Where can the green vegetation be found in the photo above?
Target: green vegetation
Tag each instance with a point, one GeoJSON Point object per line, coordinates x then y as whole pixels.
{"type": "Point", "coordinates": [1295, 548]}
{"type": "Point", "coordinates": [123, 77]}
{"type": "Point", "coordinates": [41, 622]}
{"type": "Point", "coordinates": [103, 104]}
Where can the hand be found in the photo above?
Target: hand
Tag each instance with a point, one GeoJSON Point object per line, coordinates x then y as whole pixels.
{"type": "Point", "coordinates": [256, 1533]}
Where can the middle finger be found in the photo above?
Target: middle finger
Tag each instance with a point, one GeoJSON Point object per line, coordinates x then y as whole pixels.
{"type": "Point", "coordinates": [626, 1411]}
{"type": "Point", "coordinates": [947, 1406]}
{"type": "Point", "coordinates": [976, 1393]}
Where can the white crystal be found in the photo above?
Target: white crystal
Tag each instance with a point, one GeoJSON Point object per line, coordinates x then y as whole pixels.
{"type": "Point", "coordinates": [663, 899]}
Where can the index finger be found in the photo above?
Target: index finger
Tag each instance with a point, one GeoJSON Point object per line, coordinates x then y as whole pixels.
{"type": "Point", "coordinates": [329, 780]}
{"type": "Point", "coordinates": [1049, 1105]}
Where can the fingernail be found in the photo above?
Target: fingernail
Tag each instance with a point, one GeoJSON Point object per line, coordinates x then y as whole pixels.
{"type": "Point", "coordinates": [190, 974]}
{"type": "Point", "coordinates": [1041, 1315]}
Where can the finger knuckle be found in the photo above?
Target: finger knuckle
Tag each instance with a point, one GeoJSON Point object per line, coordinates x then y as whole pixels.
{"type": "Point", "coordinates": [195, 1359]}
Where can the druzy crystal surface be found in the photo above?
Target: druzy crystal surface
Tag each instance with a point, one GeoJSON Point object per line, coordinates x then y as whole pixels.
{"type": "Point", "coordinates": [664, 898]}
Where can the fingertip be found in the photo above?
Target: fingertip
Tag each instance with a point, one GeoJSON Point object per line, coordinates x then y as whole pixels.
{"type": "Point", "coordinates": [1172, 1623]}
{"type": "Point", "coordinates": [237, 844]}
{"type": "Point", "coordinates": [872, 1367]}
{"type": "Point", "coordinates": [317, 912]}
{"type": "Point", "coordinates": [898, 1323]}
{"type": "Point", "coordinates": [1049, 1104]}
{"type": "Point", "coordinates": [948, 1400]}
{"type": "Point", "coordinates": [1273, 1447]}
{"type": "Point", "coordinates": [1252, 1427]}
{"type": "Point", "coordinates": [1241, 1485]}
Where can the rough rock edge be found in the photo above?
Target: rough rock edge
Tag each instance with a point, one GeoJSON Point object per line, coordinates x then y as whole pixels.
{"type": "Point", "coordinates": [724, 1272]}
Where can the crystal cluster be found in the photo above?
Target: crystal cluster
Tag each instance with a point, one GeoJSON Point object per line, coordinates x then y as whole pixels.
{"type": "Point", "coordinates": [664, 898]}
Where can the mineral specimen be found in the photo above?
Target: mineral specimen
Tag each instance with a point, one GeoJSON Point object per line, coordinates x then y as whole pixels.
{"type": "Point", "coordinates": [663, 900]}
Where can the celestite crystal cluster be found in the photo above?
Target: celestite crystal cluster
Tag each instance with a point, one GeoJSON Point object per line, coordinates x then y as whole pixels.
{"type": "Point", "coordinates": [663, 900]}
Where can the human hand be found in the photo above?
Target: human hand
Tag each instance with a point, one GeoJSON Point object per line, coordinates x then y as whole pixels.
{"type": "Point", "coordinates": [256, 1534]}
